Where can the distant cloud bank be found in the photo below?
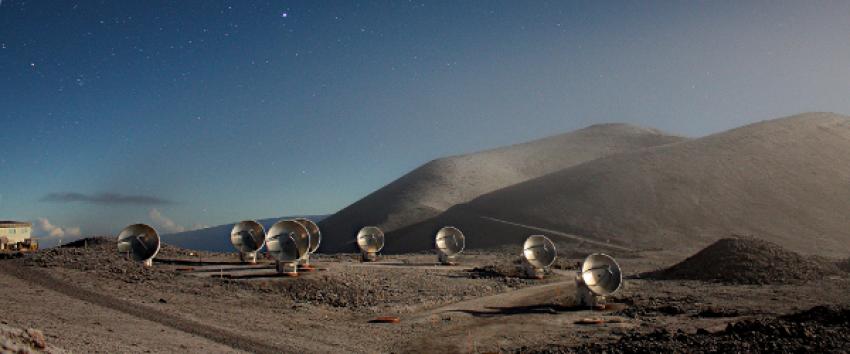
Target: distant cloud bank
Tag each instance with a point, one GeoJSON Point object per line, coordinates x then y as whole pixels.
{"type": "Point", "coordinates": [105, 199]}
{"type": "Point", "coordinates": [43, 228]}
{"type": "Point", "coordinates": [168, 226]}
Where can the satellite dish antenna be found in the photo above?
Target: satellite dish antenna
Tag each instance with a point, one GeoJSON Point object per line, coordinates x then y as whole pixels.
{"type": "Point", "coordinates": [315, 237]}
{"type": "Point", "coordinates": [370, 239]}
{"type": "Point", "coordinates": [139, 242]}
{"type": "Point", "coordinates": [248, 237]}
{"type": "Point", "coordinates": [600, 276]}
{"type": "Point", "coordinates": [450, 242]}
{"type": "Point", "coordinates": [540, 253]}
{"type": "Point", "coordinates": [287, 241]}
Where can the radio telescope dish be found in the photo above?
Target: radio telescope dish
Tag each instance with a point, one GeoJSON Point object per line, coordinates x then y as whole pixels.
{"type": "Point", "coordinates": [287, 242]}
{"type": "Point", "coordinates": [450, 242]}
{"type": "Point", "coordinates": [248, 237]}
{"type": "Point", "coordinates": [139, 241]}
{"type": "Point", "coordinates": [370, 239]}
{"type": "Point", "coordinates": [600, 276]}
{"type": "Point", "coordinates": [539, 251]}
{"type": "Point", "coordinates": [315, 233]}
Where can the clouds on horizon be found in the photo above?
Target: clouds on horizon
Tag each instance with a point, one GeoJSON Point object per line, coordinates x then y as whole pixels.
{"type": "Point", "coordinates": [43, 228]}
{"type": "Point", "coordinates": [105, 199]}
{"type": "Point", "coordinates": [168, 226]}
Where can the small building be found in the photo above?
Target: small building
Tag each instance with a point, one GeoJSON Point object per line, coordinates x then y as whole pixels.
{"type": "Point", "coordinates": [15, 231]}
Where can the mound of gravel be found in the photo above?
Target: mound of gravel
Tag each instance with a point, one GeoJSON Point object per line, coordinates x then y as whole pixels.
{"type": "Point", "coordinates": [746, 260]}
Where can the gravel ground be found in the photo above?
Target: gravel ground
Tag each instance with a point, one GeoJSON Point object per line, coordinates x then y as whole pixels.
{"type": "Point", "coordinates": [483, 303]}
{"type": "Point", "coordinates": [817, 330]}
{"type": "Point", "coordinates": [353, 288]}
{"type": "Point", "coordinates": [23, 341]}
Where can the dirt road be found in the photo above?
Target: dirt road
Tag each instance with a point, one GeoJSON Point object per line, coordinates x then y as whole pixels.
{"type": "Point", "coordinates": [230, 340]}
{"type": "Point", "coordinates": [570, 237]}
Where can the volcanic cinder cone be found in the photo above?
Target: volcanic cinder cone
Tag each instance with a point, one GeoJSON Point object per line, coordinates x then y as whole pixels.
{"type": "Point", "coordinates": [786, 180]}
{"type": "Point", "coordinates": [440, 184]}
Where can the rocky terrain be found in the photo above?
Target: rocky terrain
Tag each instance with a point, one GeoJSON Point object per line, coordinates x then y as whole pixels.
{"type": "Point", "coordinates": [820, 329]}
{"type": "Point", "coordinates": [484, 304]}
{"type": "Point", "coordinates": [24, 341]}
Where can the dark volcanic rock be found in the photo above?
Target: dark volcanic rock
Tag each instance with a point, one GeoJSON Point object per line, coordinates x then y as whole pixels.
{"type": "Point", "coordinates": [90, 241]}
{"type": "Point", "coordinates": [747, 261]}
{"type": "Point", "coordinates": [818, 330]}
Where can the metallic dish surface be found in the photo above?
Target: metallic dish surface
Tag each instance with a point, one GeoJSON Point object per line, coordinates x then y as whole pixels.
{"type": "Point", "coordinates": [370, 239]}
{"type": "Point", "coordinates": [450, 241]}
{"type": "Point", "coordinates": [601, 274]}
{"type": "Point", "coordinates": [140, 241]}
{"type": "Point", "coordinates": [315, 233]}
{"type": "Point", "coordinates": [248, 236]}
{"type": "Point", "coordinates": [539, 251]}
{"type": "Point", "coordinates": [288, 240]}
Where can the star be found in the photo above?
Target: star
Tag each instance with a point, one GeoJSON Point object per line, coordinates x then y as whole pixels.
{"type": "Point", "coordinates": [284, 14]}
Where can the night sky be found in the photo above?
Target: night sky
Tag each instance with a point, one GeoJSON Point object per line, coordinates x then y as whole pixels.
{"type": "Point", "coordinates": [190, 113]}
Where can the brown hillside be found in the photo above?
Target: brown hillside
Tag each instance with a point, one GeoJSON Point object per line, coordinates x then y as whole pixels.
{"type": "Point", "coordinates": [787, 180]}
{"type": "Point", "coordinates": [434, 187]}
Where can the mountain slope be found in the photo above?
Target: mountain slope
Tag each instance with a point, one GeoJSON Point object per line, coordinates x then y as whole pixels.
{"type": "Point", "coordinates": [434, 187]}
{"type": "Point", "coordinates": [785, 180]}
{"type": "Point", "coordinates": [217, 238]}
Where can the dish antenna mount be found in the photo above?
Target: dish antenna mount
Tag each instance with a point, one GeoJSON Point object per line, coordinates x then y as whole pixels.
{"type": "Point", "coordinates": [248, 237]}
{"type": "Point", "coordinates": [600, 276]}
{"type": "Point", "coordinates": [450, 242]}
{"type": "Point", "coordinates": [370, 239]}
{"type": "Point", "coordinates": [139, 242]}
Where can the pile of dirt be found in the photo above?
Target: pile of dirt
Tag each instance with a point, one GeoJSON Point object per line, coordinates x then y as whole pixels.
{"type": "Point", "coordinates": [97, 255]}
{"type": "Point", "coordinates": [746, 260]}
{"type": "Point", "coordinates": [15, 340]}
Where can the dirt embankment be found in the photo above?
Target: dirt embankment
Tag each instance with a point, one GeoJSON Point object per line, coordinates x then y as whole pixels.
{"type": "Point", "coordinates": [747, 260]}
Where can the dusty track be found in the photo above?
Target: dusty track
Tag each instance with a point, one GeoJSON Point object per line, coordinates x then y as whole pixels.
{"type": "Point", "coordinates": [484, 322]}
{"type": "Point", "coordinates": [533, 295]}
{"type": "Point", "coordinates": [562, 234]}
{"type": "Point", "coordinates": [42, 279]}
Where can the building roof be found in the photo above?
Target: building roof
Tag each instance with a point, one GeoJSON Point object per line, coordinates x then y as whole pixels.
{"type": "Point", "coordinates": [6, 224]}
